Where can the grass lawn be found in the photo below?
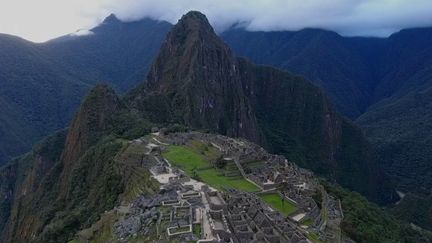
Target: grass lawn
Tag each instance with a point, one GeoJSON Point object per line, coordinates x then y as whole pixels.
{"type": "Point", "coordinates": [189, 159]}
{"type": "Point", "coordinates": [215, 179]}
{"type": "Point", "coordinates": [196, 230]}
{"type": "Point", "coordinates": [308, 222]}
{"type": "Point", "coordinates": [314, 237]}
{"type": "Point", "coordinates": [275, 201]}
{"type": "Point", "coordinates": [185, 158]}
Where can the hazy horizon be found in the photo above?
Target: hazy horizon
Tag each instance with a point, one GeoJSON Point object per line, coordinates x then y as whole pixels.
{"type": "Point", "coordinates": [47, 19]}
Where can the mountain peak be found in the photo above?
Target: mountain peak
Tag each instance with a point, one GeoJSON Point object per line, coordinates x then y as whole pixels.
{"type": "Point", "coordinates": [196, 77]}
{"type": "Point", "coordinates": [111, 19]}
{"type": "Point", "coordinates": [92, 118]}
{"type": "Point", "coordinates": [193, 21]}
{"type": "Point", "coordinates": [195, 16]}
{"type": "Point", "coordinates": [191, 45]}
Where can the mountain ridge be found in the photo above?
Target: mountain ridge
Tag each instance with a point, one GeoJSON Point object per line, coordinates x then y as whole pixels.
{"type": "Point", "coordinates": [97, 178]}
{"type": "Point", "coordinates": [43, 83]}
{"type": "Point", "coordinates": [76, 50]}
{"type": "Point", "coordinates": [283, 112]}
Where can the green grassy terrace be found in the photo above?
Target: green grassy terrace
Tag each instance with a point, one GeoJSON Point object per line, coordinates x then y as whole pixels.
{"type": "Point", "coordinates": [275, 201]}
{"type": "Point", "coordinates": [195, 159]}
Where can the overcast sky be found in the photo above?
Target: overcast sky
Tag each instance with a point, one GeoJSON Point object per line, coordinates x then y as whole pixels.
{"type": "Point", "coordinates": [40, 20]}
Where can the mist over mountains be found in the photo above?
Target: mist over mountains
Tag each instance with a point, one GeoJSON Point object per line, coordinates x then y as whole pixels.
{"type": "Point", "coordinates": [347, 17]}
{"type": "Point", "coordinates": [382, 84]}
{"type": "Point", "coordinates": [41, 84]}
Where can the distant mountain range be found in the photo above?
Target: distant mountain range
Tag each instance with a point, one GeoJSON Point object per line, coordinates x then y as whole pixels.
{"type": "Point", "coordinates": [71, 178]}
{"type": "Point", "coordinates": [42, 84]}
{"type": "Point", "coordinates": [383, 84]}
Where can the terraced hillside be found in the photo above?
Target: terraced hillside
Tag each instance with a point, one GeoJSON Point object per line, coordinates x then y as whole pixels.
{"type": "Point", "coordinates": [199, 162]}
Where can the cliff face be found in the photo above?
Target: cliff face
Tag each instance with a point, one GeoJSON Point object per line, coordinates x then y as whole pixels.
{"type": "Point", "coordinates": [65, 182]}
{"type": "Point", "coordinates": [93, 119]}
{"type": "Point", "coordinates": [23, 176]}
{"type": "Point", "coordinates": [295, 116]}
{"type": "Point", "coordinates": [298, 120]}
{"type": "Point", "coordinates": [197, 81]}
{"type": "Point", "coordinates": [197, 78]}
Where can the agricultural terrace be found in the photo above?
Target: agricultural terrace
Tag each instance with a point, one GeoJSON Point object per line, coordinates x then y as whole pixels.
{"type": "Point", "coordinates": [196, 160]}
{"type": "Point", "coordinates": [284, 206]}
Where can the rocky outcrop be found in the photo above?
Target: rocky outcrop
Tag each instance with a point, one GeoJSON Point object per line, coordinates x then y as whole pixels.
{"type": "Point", "coordinates": [23, 177]}
{"type": "Point", "coordinates": [93, 119]}
{"type": "Point", "coordinates": [196, 80]}
{"type": "Point", "coordinates": [65, 180]}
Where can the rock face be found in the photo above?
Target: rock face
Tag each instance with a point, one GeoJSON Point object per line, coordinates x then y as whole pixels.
{"type": "Point", "coordinates": [93, 118]}
{"type": "Point", "coordinates": [23, 176]}
{"type": "Point", "coordinates": [197, 81]}
{"type": "Point", "coordinates": [52, 189]}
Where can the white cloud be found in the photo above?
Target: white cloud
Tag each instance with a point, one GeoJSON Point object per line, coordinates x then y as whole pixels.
{"type": "Point", "coordinates": [40, 20]}
{"type": "Point", "coordinates": [44, 19]}
{"type": "Point", "coordinates": [82, 32]}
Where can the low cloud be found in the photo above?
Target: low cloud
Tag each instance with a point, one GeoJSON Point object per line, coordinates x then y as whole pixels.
{"type": "Point", "coordinates": [82, 32]}
{"type": "Point", "coordinates": [44, 19]}
{"type": "Point", "coordinates": [347, 17]}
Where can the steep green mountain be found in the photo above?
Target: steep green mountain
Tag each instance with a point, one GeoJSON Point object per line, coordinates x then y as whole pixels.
{"type": "Point", "coordinates": [48, 195]}
{"type": "Point", "coordinates": [197, 81]}
{"type": "Point", "coordinates": [416, 209]}
{"type": "Point", "coordinates": [22, 176]}
{"type": "Point", "coordinates": [42, 84]}
{"type": "Point", "coordinates": [355, 73]}
{"type": "Point", "coordinates": [67, 182]}
{"type": "Point", "coordinates": [406, 63]}
{"type": "Point", "coordinates": [404, 117]}
{"type": "Point", "coordinates": [384, 83]}
{"type": "Point", "coordinates": [344, 67]}
{"type": "Point", "coordinates": [35, 97]}
{"type": "Point", "coordinates": [400, 125]}
{"type": "Point", "coordinates": [366, 222]}
{"type": "Point", "coordinates": [115, 52]}
{"type": "Point", "coordinates": [400, 130]}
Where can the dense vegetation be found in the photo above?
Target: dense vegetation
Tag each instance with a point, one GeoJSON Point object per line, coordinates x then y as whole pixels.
{"type": "Point", "coordinates": [355, 72]}
{"type": "Point", "coordinates": [29, 170]}
{"type": "Point", "coordinates": [66, 182]}
{"type": "Point", "coordinates": [385, 81]}
{"type": "Point", "coordinates": [298, 121]}
{"type": "Point", "coordinates": [42, 84]}
{"type": "Point", "coordinates": [197, 81]}
{"type": "Point", "coordinates": [401, 131]}
{"type": "Point", "coordinates": [366, 222]}
{"type": "Point", "coordinates": [54, 195]}
{"type": "Point", "coordinates": [341, 66]}
{"type": "Point", "coordinates": [416, 209]}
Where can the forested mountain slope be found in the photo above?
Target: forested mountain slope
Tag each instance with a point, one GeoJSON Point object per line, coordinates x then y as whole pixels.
{"type": "Point", "coordinates": [383, 83]}
{"type": "Point", "coordinates": [68, 181]}
{"type": "Point", "coordinates": [42, 84]}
